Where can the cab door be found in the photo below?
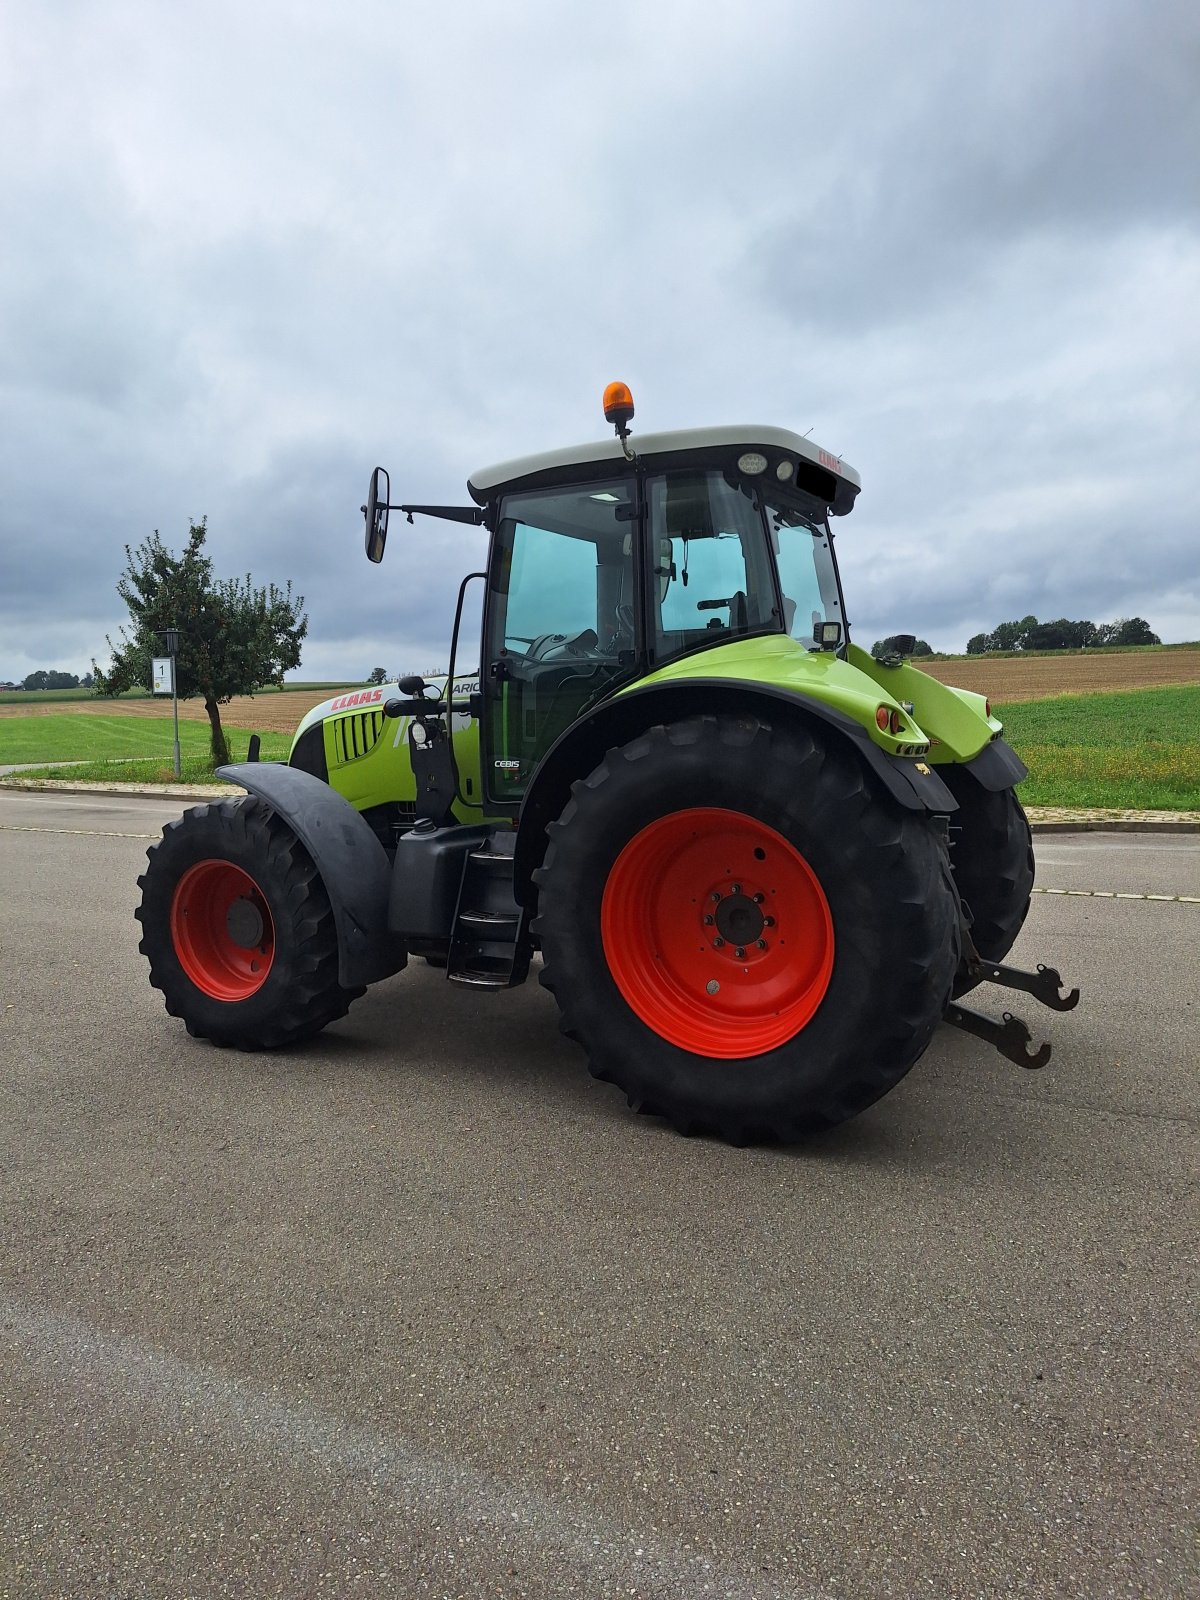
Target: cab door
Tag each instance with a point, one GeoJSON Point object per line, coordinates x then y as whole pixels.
{"type": "Point", "coordinates": [559, 628]}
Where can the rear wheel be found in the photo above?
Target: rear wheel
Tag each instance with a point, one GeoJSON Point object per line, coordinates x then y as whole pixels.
{"type": "Point", "coordinates": [741, 931]}
{"type": "Point", "coordinates": [238, 928]}
{"type": "Point", "coordinates": [991, 854]}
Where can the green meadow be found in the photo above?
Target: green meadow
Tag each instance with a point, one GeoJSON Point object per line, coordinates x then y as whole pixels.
{"type": "Point", "coordinates": [1136, 749]}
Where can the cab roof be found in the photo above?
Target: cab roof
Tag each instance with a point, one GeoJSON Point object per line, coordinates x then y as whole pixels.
{"type": "Point", "coordinates": [813, 469]}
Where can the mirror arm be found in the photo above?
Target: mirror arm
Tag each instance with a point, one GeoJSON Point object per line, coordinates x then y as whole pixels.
{"type": "Point", "coordinates": [471, 514]}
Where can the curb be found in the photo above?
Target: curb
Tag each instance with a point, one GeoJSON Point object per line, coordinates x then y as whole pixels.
{"type": "Point", "coordinates": [1119, 825]}
{"type": "Point", "coordinates": [128, 791]}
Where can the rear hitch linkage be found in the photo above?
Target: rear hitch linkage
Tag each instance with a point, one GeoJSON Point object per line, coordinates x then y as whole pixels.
{"type": "Point", "coordinates": [1011, 1036]}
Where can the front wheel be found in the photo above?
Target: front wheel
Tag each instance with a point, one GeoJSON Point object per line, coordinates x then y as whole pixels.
{"type": "Point", "coordinates": [742, 931]}
{"type": "Point", "coordinates": [238, 928]}
{"type": "Point", "coordinates": [991, 852]}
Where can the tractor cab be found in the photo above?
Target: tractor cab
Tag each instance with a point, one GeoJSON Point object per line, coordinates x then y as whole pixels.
{"type": "Point", "coordinates": [611, 559]}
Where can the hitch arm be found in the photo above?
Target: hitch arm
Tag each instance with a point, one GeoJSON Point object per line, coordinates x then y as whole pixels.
{"type": "Point", "coordinates": [1010, 1036]}
{"type": "Point", "coordinates": [1045, 984]}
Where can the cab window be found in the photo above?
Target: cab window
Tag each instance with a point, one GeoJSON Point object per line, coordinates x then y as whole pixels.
{"type": "Point", "coordinates": [710, 562]}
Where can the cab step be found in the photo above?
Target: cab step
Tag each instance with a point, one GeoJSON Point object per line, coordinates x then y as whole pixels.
{"type": "Point", "coordinates": [489, 945]}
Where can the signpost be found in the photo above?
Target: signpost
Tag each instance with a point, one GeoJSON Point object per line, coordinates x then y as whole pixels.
{"type": "Point", "coordinates": [163, 674]}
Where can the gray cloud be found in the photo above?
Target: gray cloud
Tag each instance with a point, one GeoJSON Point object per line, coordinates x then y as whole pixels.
{"type": "Point", "coordinates": [252, 253]}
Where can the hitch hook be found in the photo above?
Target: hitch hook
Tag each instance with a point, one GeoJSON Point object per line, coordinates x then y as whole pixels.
{"type": "Point", "coordinates": [1045, 984]}
{"type": "Point", "coordinates": [1011, 1036]}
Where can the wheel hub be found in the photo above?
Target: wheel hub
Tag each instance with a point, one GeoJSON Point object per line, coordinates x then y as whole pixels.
{"type": "Point", "coordinates": [244, 924]}
{"type": "Point", "coordinates": [738, 919]}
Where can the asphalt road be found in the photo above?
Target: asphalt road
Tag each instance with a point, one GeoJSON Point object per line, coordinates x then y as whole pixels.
{"type": "Point", "coordinates": [422, 1310]}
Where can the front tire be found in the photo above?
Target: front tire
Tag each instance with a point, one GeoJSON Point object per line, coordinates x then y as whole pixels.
{"type": "Point", "coordinates": [238, 929]}
{"type": "Point", "coordinates": [991, 853]}
{"type": "Point", "coordinates": [689, 859]}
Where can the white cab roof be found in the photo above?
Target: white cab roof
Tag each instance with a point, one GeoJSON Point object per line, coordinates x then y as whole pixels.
{"type": "Point", "coordinates": [771, 441]}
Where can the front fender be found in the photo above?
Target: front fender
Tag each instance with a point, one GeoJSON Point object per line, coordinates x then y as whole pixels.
{"type": "Point", "coordinates": [353, 864]}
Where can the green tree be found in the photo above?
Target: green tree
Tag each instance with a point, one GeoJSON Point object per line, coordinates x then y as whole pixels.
{"type": "Point", "coordinates": [1134, 630]}
{"type": "Point", "coordinates": [51, 680]}
{"type": "Point", "coordinates": [234, 638]}
{"type": "Point", "coordinates": [378, 675]}
{"type": "Point", "coordinates": [1005, 635]}
{"type": "Point", "coordinates": [977, 644]}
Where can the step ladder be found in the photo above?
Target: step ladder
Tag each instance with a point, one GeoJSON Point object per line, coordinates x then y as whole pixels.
{"type": "Point", "coordinates": [489, 946]}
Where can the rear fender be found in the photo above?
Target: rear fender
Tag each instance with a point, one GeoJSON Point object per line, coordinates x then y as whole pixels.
{"type": "Point", "coordinates": [353, 864]}
{"type": "Point", "coordinates": [912, 784]}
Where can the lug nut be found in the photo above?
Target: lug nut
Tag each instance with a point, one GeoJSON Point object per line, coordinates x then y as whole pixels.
{"type": "Point", "coordinates": [762, 944]}
{"type": "Point", "coordinates": [758, 899]}
{"type": "Point", "coordinates": [769, 921]}
{"type": "Point", "coordinates": [718, 943]}
{"type": "Point", "coordinates": [716, 896]}
{"type": "Point", "coordinates": [708, 921]}
{"type": "Point", "coordinates": [739, 952]}
{"type": "Point", "coordinates": [737, 889]}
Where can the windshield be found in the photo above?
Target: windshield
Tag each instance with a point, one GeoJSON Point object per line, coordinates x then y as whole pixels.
{"type": "Point", "coordinates": [807, 575]}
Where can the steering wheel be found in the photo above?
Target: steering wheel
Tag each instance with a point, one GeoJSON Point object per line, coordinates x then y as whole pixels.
{"type": "Point", "coordinates": [552, 646]}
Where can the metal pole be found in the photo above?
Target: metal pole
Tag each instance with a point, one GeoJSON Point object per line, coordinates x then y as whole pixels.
{"type": "Point", "coordinates": [175, 709]}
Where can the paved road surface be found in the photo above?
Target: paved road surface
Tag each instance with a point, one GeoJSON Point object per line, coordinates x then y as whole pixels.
{"type": "Point", "coordinates": [421, 1310]}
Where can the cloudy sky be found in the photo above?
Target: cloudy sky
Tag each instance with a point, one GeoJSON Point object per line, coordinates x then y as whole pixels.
{"type": "Point", "coordinates": [247, 251]}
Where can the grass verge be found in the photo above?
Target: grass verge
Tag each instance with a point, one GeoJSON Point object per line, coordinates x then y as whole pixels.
{"type": "Point", "coordinates": [1138, 749]}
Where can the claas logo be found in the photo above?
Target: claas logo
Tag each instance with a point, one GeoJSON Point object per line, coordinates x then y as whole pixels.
{"type": "Point", "coordinates": [365, 697]}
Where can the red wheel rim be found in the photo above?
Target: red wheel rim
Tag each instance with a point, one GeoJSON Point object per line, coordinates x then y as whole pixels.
{"type": "Point", "coordinates": [717, 933]}
{"type": "Point", "coordinates": [222, 930]}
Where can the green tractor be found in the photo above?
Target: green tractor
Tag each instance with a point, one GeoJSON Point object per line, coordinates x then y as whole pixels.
{"type": "Point", "coordinates": [759, 866]}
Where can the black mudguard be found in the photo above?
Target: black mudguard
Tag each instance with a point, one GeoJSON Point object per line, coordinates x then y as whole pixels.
{"type": "Point", "coordinates": [997, 766]}
{"type": "Point", "coordinates": [353, 864]}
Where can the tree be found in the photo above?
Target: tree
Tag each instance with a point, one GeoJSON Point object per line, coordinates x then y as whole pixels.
{"type": "Point", "coordinates": [51, 680]}
{"type": "Point", "coordinates": [234, 638]}
{"type": "Point", "coordinates": [978, 643]}
{"type": "Point", "coordinates": [378, 675]}
{"type": "Point", "coordinates": [1134, 630]}
{"type": "Point", "coordinates": [1005, 635]}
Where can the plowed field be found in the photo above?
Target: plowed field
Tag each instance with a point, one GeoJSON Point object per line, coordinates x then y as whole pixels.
{"type": "Point", "coordinates": [260, 713]}
{"type": "Point", "coordinates": [1013, 678]}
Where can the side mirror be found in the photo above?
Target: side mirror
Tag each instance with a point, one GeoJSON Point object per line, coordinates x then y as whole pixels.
{"type": "Point", "coordinates": [376, 513]}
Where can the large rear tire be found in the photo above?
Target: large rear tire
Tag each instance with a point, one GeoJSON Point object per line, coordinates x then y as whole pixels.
{"type": "Point", "coordinates": [238, 929]}
{"type": "Point", "coordinates": [742, 931]}
{"type": "Point", "coordinates": [991, 854]}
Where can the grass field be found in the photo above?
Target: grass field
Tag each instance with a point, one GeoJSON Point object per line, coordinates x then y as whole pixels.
{"type": "Point", "coordinates": [90, 737]}
{"type": "Point", "coordinates": [1137, 750]}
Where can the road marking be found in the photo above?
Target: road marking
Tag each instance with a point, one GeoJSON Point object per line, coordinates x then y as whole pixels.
{"type": "Point", "coordinates": [1116, 894]}
{"type": "Point", "coordinates": [78, 833]}
{"type": "Point", "coordinates": [148, 1386]}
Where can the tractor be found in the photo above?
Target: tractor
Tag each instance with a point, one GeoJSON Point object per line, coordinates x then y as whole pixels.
{"type": "Point", "coordinates": [756, 865]}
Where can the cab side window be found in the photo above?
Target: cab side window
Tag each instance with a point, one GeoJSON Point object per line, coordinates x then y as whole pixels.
{"type": "Point", "coordinates": [710, 562]}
